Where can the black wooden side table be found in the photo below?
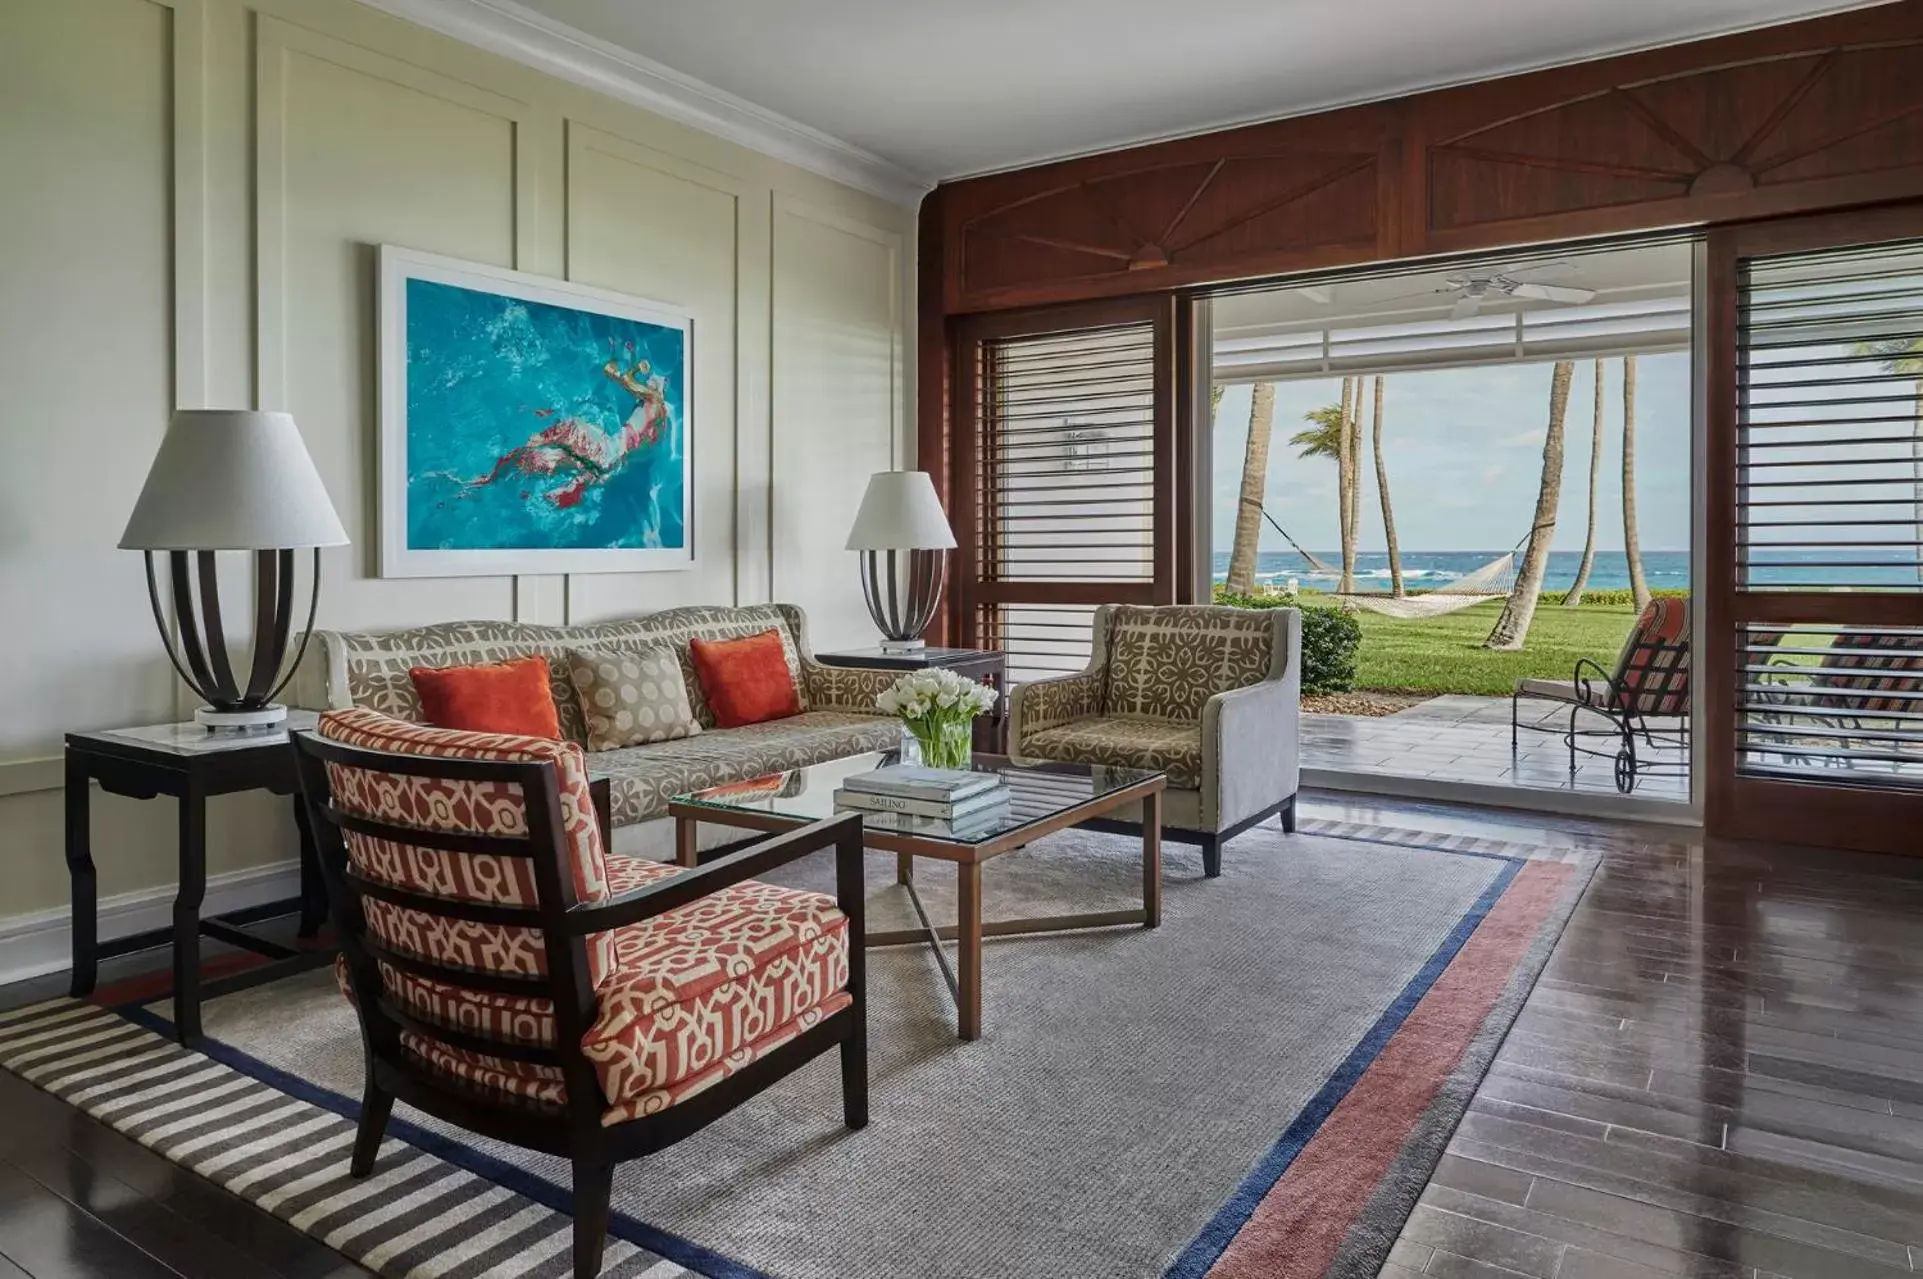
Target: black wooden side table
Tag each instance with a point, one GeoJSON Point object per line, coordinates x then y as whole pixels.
{"type": "Point", "coordinates": [191, 764]}
{"type": "Point", "coordinates": [987, 666]}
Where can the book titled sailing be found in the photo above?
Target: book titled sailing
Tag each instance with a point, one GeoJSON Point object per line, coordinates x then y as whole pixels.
{"type": "Point", "coordinates": [910, 781]}
{"type": "Point", "coordinates": [953, 810]}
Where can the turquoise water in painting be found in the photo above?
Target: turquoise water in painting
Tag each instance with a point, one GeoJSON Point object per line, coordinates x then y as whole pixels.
{"type": "Point", "coordinates": [532, 426]}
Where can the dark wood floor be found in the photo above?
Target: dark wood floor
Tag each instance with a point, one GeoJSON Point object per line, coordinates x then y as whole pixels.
{"type": "Point", "coordinates": [1719, 1076]}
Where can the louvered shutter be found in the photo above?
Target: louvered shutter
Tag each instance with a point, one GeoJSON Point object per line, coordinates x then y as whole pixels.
{"type": "Point", "coordinates": [1068, 466]}
{"type": "Point", "coordinates": [1818, 588]}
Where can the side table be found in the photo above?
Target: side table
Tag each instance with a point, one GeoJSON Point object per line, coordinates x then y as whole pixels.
{"type": "Point", "coordinates": [985, 665]}
{"type": "Point", "coordinates": [190, 764]}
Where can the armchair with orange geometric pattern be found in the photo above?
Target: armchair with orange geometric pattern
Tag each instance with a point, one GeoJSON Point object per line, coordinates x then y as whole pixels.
{"type": "Point", "coordinates": [516, 979]}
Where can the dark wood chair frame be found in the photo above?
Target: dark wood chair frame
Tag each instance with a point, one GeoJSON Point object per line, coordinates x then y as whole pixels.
{"type": "Point", "coordinates": [572, 1129]}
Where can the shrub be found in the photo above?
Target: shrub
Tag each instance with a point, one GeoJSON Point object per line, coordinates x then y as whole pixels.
{"type": "Point", "coordinates": [1623, 597]}
{"type": "Point", "coordinates": [1331, 638]}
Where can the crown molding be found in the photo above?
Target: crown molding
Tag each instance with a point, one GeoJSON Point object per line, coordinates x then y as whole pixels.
{"type": "Point", "coordinates": [535, 40]}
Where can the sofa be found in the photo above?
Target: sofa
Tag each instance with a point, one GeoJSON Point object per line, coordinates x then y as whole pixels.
{"type": "Point", "coordinates": [1210, 695]}
{"type": "Point", "coordinates": [838, 715]}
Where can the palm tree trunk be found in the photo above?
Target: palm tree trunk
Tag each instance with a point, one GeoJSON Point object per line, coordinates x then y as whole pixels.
{"type": "Point", "coordinates": [1574, 597]}
{"type": "Point", "coordinates": [1255, 480]}
{"type": "Point", "coordinates": [1382, 491]}
{"type": "Point", "coordinates": [1638, 588]}
{"type": "Point", "coordinates": [1512, 628]}
{"type": "Point", "coordinates": [1345, 480]}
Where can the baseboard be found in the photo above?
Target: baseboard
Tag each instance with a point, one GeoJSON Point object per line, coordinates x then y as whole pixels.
{"type": "Point", "coordinates": [40, 943]}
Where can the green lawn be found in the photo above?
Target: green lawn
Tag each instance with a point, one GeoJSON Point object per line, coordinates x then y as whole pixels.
{"type": "Point", "coordinates": [1445, 654]}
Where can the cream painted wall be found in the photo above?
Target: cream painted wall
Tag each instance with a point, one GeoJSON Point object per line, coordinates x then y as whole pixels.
{"type": "Point", "coordinates": [194, 191]}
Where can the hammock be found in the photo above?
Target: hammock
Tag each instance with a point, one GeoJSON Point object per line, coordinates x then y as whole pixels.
{"type": "Point", "coordinates": [1490, 582]}
{"type": "Point", "coordinates": [1315, 565]}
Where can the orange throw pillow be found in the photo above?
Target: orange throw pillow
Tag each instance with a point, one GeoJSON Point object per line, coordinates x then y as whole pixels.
{"type": "Point", "coordinates": [746, 680]}
{"type": "Point", "coordinates": [498, 697]}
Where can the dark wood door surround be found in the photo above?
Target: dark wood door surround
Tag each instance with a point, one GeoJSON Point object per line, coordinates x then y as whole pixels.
{"type": "Point", "coordinates": [1801, 118]}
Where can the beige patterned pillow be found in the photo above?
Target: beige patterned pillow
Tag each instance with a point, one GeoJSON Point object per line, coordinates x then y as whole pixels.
{"type": "Point", "coordinates": [631, 698]}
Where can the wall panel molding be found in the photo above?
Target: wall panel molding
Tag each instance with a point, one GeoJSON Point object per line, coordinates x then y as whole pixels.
{"type": "Point", "coordinates": [275, 42]}
{"type": "Point", "coordinates": [535, 40]}
{"type": "Point", "coordinates": [747, 203]}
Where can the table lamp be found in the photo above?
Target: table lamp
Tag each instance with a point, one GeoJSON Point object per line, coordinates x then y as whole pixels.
{"type": "Point", "coordinates": [901, 532]}
{"type": "Point", "coordinates": [232, 480]}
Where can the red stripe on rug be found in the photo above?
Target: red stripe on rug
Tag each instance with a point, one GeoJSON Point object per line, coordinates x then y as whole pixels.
{"type": "Point", "coordinates": [1300, 1224]}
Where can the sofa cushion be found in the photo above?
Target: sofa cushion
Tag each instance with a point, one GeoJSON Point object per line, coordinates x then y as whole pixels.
{"type": "Point", "coordinates": [704, 988]}
{"type": "Point", "coordinates": [1165, 663]}
{"type": "Point", "coordinates": [747, 680]}
{"type": "Point", "coordinates": [643, 778]}
{"type": "Point", "coordinates": [631, 698]}
{"type": "Point", "coordinates": [370, 669]}
{"type": "Point", "coordinates": [1175, 749]}
{"type": "Point", "coordinates": [510, 697]}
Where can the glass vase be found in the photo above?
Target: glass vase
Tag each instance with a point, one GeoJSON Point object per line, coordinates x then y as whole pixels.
{"type": "Point", "coordinates": [946, 745]}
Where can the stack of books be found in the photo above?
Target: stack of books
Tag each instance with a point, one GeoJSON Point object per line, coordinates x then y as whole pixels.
{"type": "Point", "coordinates": [955, 796]}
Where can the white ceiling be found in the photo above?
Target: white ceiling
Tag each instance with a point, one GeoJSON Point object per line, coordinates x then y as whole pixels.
{"type": "Point", "coordinates": [944, 88]}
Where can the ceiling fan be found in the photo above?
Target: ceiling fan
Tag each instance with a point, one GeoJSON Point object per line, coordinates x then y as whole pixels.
{"type": "Point", "coordinates": [1473, 289]}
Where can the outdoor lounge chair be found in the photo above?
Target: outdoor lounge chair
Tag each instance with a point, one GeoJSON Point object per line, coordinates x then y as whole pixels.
{"type": "Point", "coordinates": [1651, 678]}
{"type": "Point", "coordinates": [1859, 702]}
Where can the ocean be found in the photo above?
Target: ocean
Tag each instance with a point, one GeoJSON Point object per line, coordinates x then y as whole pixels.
{"type": "Point", "coordinates": [1428, 569]}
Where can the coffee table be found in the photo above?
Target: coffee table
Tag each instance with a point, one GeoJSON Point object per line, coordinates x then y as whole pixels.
{"type": "Point", "coordinates": [1046, 797]}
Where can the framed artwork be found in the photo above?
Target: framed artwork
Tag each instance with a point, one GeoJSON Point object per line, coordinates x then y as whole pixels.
{"type": "Point", "coordinates": [530, 425]}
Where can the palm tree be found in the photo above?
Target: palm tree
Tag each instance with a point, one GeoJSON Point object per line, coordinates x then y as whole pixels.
{"type": "Point", "coordinates": [1255, 476]}
{"type": "Point", "coordinates": [1345, 484]}
{"type": "Point", "coordinates": [1512, 628]}
{"type": "Point", "coordinates": [1331, 434]}
{"type": "Point", "coordinates": [1638, 588]}
{"type": "Point", "coordinates": [1574, 597]}
{"type": "Point", "coordinates": [1382, 491]}
{"type": "Point", "coordinates": [1904, 357]}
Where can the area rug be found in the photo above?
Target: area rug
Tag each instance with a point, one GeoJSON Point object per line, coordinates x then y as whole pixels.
{"type": "Point", "coordinates": [1260, 1087]}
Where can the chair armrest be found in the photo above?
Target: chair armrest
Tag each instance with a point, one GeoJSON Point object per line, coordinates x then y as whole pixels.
{"type": "Point", "coordinates": [1252, 742]}
{"type": "Point", "coordinates": [844, 688]}
{"type": "Point", "coordinates": [1582, 685]}
{"type": "Point", "coordinates": [842, 833]}
{"type": "Point", "coordinates": [1044, 703]}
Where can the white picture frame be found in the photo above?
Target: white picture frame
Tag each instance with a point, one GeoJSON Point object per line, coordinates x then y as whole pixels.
{"type": "Point", "coordinates": [567, 462]}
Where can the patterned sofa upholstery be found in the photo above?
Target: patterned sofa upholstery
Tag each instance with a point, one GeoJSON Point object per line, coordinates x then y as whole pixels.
{"type": "Point", "coordinates": [1210, 695]}
{"type": "Point", "coordinates": [349, 668]}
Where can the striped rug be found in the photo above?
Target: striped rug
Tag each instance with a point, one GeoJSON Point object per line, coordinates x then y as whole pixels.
{"type": "Point", "coordinates": [417, 1215]}
{"type": "Point", "coordinates": [1324, 1201]}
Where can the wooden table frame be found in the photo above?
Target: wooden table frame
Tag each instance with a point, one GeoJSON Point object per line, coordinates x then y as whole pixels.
{"type": "Point", "coordinates": [126, 767]}
{"type": "Point", "coordinates": [964, 978]}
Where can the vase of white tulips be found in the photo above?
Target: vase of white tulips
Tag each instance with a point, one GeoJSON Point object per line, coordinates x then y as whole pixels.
{"type": "Point", "coordinates": [938, 708]}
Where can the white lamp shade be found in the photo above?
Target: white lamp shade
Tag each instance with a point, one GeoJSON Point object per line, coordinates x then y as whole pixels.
{"type": "Point", "coordinates": [900, 512]}
{"type": "Point", "coordinates": [232, 480]}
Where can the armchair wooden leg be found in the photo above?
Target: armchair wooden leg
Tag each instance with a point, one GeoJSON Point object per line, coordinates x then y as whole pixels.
{"type": "Point", "coordinates": [593, 1186]}
{"type": "Point", "coordinates": [854, 1075]}
{"type": "Point", "coordinates": [376, 1105]}
{"type": "Point", "coordinates": [1212, 858]}
{"type": "Point", "coordinates": [1288, 816]}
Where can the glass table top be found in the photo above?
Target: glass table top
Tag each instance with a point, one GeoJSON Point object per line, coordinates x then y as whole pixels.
{"type": "Point", "coordinates": [1034, 790]}
{"type": "Point", "coordinates": [189, 738]}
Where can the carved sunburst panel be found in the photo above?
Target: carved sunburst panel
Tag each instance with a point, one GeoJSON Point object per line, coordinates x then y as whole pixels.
{"type": "Point", "coordinates": [1191, 213]}
{"type": "Point", "coordinates": [1816, 114]}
